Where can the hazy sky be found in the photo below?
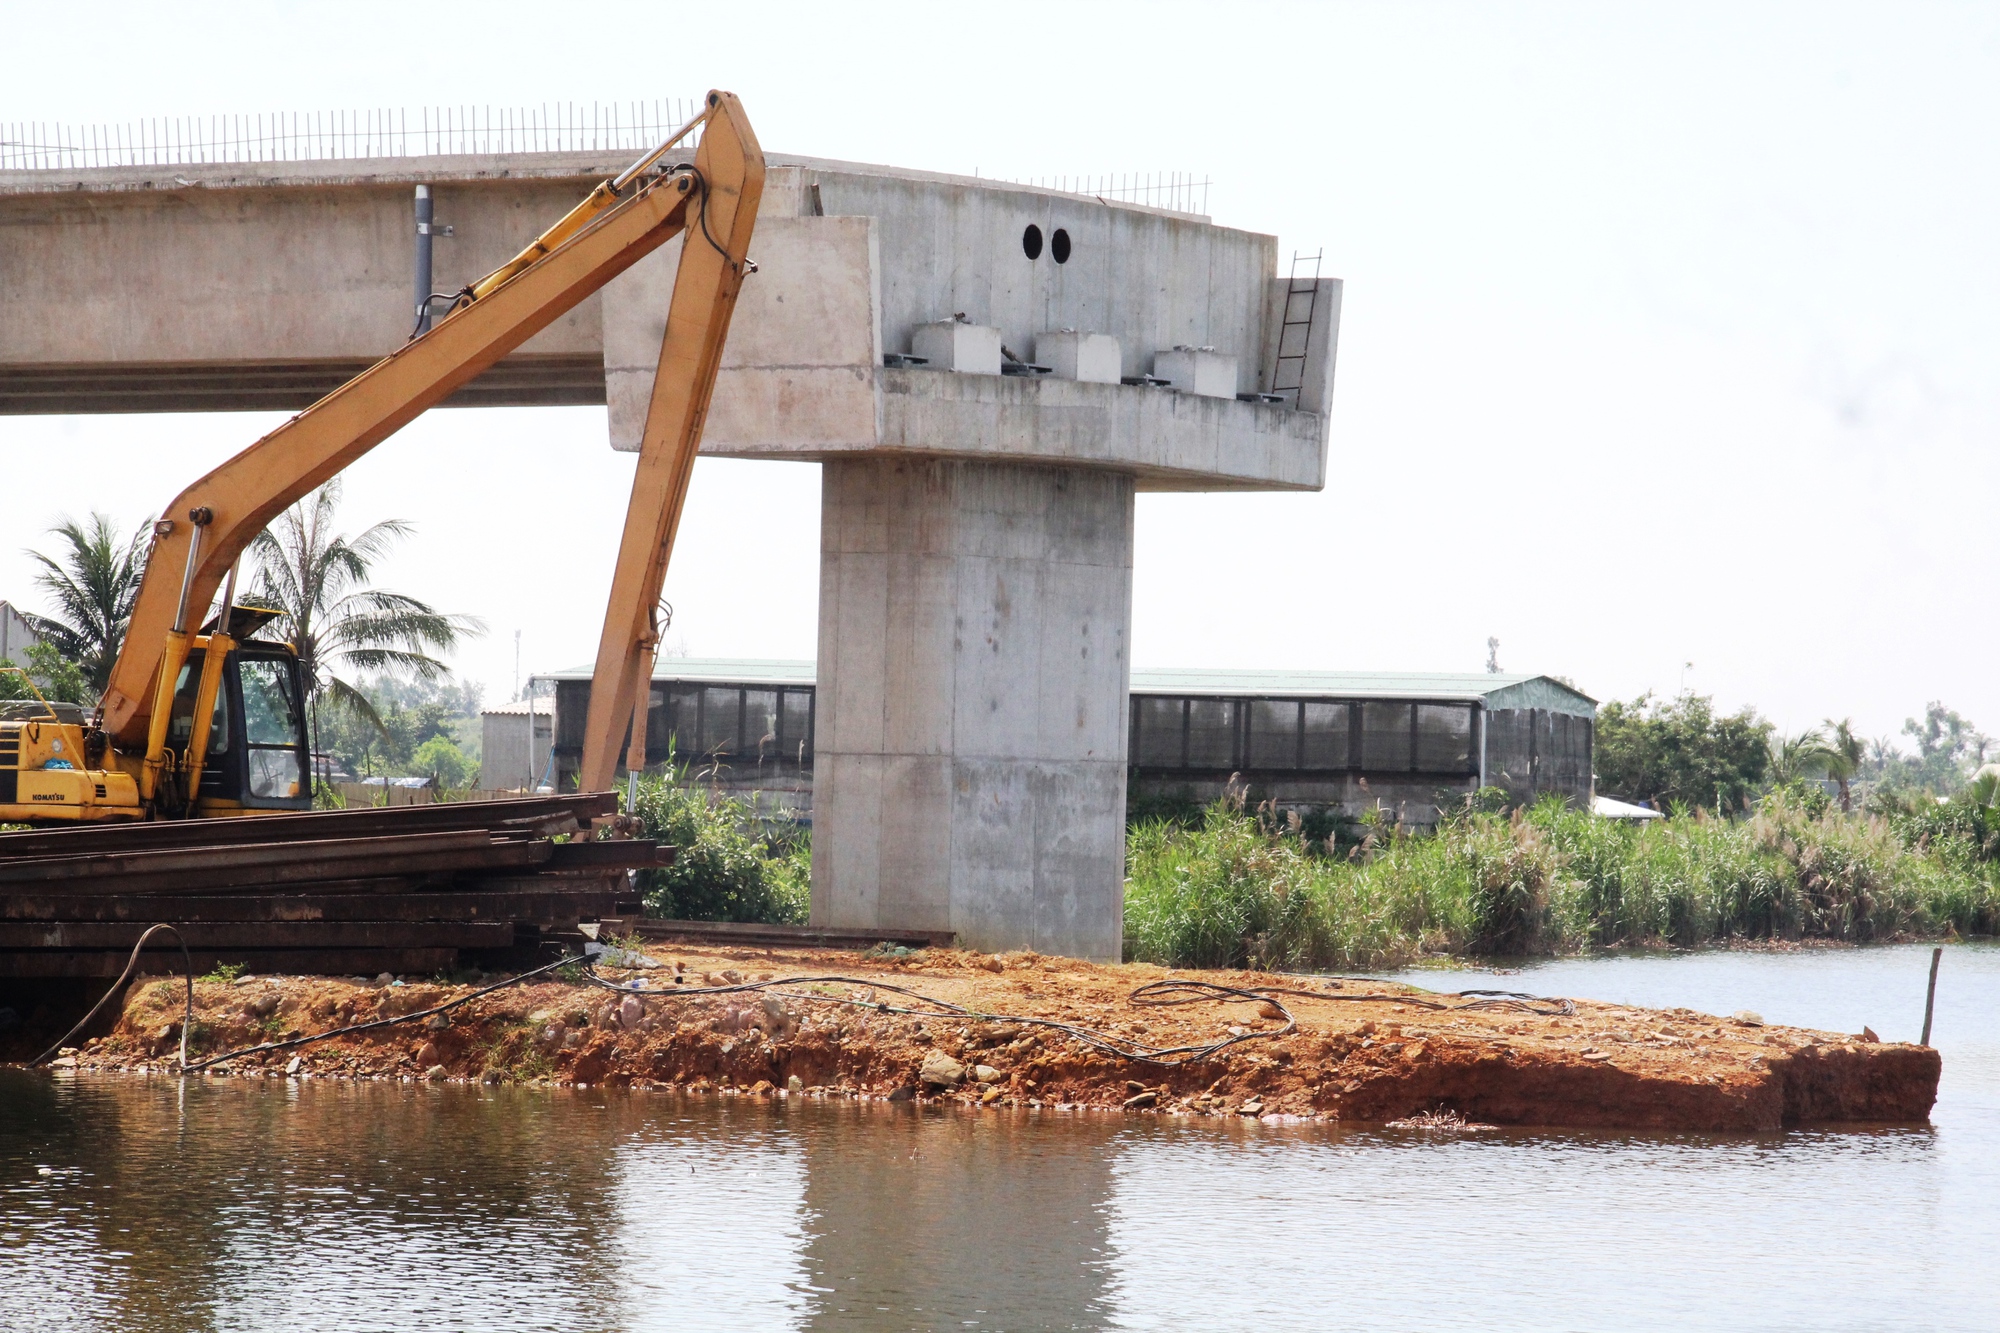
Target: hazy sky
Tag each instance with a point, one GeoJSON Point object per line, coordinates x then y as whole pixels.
{"type": "Point", "coordinates": [1669, 332]}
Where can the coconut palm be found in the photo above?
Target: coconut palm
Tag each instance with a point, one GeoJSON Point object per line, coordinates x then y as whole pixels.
{"type": "Point", "coordinates": [1795, 758]}
{"type": "Point", "coordinates": [1847, 751]}
{"type": "Point", "coordinates": [341, 626]}
{"type": "Point", "coordinates": [92, 586]}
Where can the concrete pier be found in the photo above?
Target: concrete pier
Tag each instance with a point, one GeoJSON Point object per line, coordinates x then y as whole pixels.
{"type": "Point", "coordinates": [970, 773]}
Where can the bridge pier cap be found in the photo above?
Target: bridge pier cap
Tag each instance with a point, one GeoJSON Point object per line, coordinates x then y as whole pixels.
{"type": "Point", "coordinates": [976, 544]}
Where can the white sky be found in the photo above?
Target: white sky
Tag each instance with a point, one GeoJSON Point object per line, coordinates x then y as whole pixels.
{"type": "Point", "coordinates": [1669, 333]}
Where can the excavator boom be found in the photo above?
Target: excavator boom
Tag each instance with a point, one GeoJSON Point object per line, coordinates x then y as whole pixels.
{"type": "Point", "coordinates": [211, 522]}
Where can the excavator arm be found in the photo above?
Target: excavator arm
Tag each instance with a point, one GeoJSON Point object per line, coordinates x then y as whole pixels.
{"type": "Point", "coordinates": [211, 522]}
{"type": "Point", "coordinates": [690, 354]}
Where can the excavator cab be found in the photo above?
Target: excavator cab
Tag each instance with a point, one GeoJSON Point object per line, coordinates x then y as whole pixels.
{"type": "Point", "coordinates": [56, 767]}
{"type": "Point", "coordinates": [258, 755]}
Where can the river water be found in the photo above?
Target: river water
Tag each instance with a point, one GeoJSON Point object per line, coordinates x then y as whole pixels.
{"type": "Point", "coordinates": [140, 1204]}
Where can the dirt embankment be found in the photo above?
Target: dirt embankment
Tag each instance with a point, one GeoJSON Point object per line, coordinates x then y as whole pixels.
{"type": "Point", "coordinates": [1365, 1061]}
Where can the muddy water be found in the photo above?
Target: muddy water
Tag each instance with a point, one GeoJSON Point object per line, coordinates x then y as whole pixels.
{"type": "Point", "coordinates": [139, 1204]}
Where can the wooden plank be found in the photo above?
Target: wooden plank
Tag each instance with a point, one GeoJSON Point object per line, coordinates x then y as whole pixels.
{"type": "Point", "coordinates": [307, 825]}
{"type": "Point", "coordinates": [763, 933]}
{"type": "Point", "coordinates": [536, 903]}
{"type": "Point", "coordinates": [79, 936]}
{"type": "Point", "coordinates": [299, 962]}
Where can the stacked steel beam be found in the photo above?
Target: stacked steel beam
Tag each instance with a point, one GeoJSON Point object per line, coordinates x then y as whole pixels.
{"type": "Point", "coordinates": [402, 889]}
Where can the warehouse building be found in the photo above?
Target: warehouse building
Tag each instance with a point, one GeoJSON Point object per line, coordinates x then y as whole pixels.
{"type": "Point", "coordinates": [1409, 744]}
{"type": "Point", "coordinates": [744, 725]}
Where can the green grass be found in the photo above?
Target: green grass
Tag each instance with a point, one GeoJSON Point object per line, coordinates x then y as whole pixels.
{"type": "Point", "coordinates": [1238, 888]}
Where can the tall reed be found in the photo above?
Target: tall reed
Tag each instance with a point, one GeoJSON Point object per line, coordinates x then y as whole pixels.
{"type": "Point", "coordinates": [1242, 886]}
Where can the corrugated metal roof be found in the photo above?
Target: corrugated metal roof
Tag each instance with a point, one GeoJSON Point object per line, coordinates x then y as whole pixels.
{"type": "Point", "coordinates": [1502, 690]}
{"type": "Point", "coordinates": [736, 670]}
{"type": "Point", "coordinates": [1453, 685]}
{"type": "Point", "coordinates": [519, 707]}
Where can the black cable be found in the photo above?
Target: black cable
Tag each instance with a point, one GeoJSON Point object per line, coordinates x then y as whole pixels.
{"type": "Point", "coordinates": [701, 217]}
{"type": "Point", "coordinates": [1123, 1048]}
{"type": "Point", "coordinates": [187, 966]}
{"type": "Point", "coordinates": [462, 296]}
{"type": "Point", "coordinates": [1171, 991]}
{"type": "Point", "coordinates": [1498, 1000]}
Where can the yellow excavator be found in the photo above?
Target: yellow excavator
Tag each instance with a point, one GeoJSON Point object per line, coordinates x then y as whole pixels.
{"type": "Point", "coordinates": [203, 721]}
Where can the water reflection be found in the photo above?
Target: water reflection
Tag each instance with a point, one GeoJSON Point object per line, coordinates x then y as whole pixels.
{"type": "Point", "coordinates": [1519, 1231]}
{"type": "Point", "coordinates": [139, 1204]}
{"type": "Point", "coordinates": [979, 1221]}
{"type": "Point", "coordinates": [711, 1221]}
{"type": "Point", "coordinates": [230, 1205]}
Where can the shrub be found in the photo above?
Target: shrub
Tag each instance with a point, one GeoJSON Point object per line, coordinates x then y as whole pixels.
{"type": "Point", "coordinates": [444, 760]}
{"type": "Point", "coordinates": [724, 869]}
{"type": "Point", "coordinates": [58, 679]}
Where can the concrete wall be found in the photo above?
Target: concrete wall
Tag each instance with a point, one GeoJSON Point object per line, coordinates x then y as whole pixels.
{"type": "Point", "coordinates": [971, 745]}
{"type": "Point", "coordinates": [805, 343]}
{"type": "Point", "coordinates": [1151, 278]}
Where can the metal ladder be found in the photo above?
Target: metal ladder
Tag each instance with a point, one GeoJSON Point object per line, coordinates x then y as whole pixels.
{"type": "Point", "coordinates": [1295, 333]}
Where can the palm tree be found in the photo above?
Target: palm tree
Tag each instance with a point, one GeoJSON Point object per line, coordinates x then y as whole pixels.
{"type": "Point", "coordinates": [338, 624]}
{"type": "Point", "coordinates": [1795, 758]}
{"type": "Point", "coordinates": [1847, 752]}
{"type": "Point", "coordinates": [92, 587]}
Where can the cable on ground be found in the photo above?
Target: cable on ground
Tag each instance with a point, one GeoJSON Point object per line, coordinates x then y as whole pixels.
{"type": "Point", "coordinates": [1124, 1048]}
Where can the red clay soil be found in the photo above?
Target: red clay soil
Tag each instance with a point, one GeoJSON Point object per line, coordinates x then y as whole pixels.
{"type": "Point", "coordinates": [1608, 1066]}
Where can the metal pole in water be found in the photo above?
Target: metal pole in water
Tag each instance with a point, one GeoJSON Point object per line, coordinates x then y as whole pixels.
{"type": "Point", "coordinates": [1930, 996]}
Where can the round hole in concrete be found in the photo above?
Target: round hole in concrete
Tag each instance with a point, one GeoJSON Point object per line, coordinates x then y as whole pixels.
{"type": "Point", "coordinates": [1059, 246]}
{"type": "Point", "coordinates": [1031, 242]}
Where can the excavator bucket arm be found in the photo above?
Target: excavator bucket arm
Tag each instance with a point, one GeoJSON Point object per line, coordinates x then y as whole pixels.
{"type": "Point", "coordinates": [712, 268]}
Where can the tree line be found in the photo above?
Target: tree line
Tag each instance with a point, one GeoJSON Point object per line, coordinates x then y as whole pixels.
{"type": "Point", "coordinates": [1684, 751]}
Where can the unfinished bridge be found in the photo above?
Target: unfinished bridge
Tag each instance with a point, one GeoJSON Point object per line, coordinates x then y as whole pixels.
{"type": "Point", "coordinates": [988, 372]}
